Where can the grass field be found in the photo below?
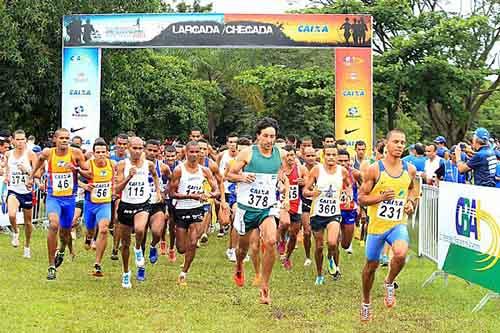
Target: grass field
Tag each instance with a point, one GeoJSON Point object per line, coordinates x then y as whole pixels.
{"type": "Point", "coordinates": [78, 302]}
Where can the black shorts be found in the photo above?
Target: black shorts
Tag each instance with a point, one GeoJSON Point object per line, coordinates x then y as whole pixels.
{"type": "Point", "coordinates": [306, 205]}
{"type": "Point", "coordinates": [79, 204]}
{"type": "Point", "coordinates": [295, 218]}
{"type": "Point", "coordinates": [155, 208]}
{"type": "Point", "coordinates": [25, 200]}
{"type": "Point", "coordinates": [170, 207]}
{"type": "Point", "coordinates": [127, 212]}
{"type": "Point", "coordinates": [185, 217]}
{"type": "Point", "coordinates": [319, 223]}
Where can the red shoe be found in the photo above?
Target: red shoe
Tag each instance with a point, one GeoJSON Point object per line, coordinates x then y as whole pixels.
{"type": "Point", "coordinates": [281, 247]}
{"type": "Point", "coordinates": [239, 278]}
{"type": "Point", "coordinates": [163, 248]}
{"type": "Point", "coordinates": [287, 264]}
{"type": "Point", "coordinates": [171, 255]}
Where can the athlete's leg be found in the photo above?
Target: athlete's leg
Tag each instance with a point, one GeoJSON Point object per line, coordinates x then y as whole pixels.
{"type": "Point", "coordinates": [333, 230]}
{"type": "Point", "coordinates": [293, 231]}
{"type": "Point", "coordinates": [125, 232]}
{"type": "Point", "coordinates": [242, 245]}
{"type": "Point", "coordinates": [12, 208]}
{"type": "Point", "coordinates": [318, 252]}
{"type": "Point", "coordinates": [306, 229]}
{"type": "Point", "coordinates": [52, 237]}
{"type": "Point", "coordinates": [192, 238]}
{"type": "Point", "coordinates": [171, 230]}
{"type": "Point", "coordinates": [268, 233]}
{"type": "Point", "coordinates": [181, 239]}
{"type": "Point", "coordinates": [101, 240]}
{"type": "Point", "coordinates": [140, 228]}
{"type": "Point", "coordinates": [347, 233]}
{"type": "Point", "coordinates": [374, 245]}
{"type": "Point", "coordinates": [28, 226]}
{"type": "Point", "coordinates": [399, 239]}
{"type": "Point", "coordinates": [116, 235]}
{"type": "Point", "coordinates": [255, 254]}
{"type": "Point", "coordinates": [157, 225]}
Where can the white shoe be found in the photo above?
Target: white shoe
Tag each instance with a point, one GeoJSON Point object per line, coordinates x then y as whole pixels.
{"type": "Point", "coordinates": [15, 239]}
{"type": "Point", "coordinates": [126, 280]}
{"type": "Point", "coordinates": [247, 258]}
{"type": "Point", "coordinates": [73, 234]}
{"type": "Point", "coordinates": [139, 258]}
{"type": "Point", "coordinates": [232, 255]}
{"type": "Point", "coordinates": [349, 249]}
{"type": "Point", "coordinates": [307, 262]}
{"type": "Point", "coordinates": [27, 253]}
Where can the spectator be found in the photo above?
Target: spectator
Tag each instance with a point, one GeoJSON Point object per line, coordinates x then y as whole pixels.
{"type": "Point", "coordinates": [419, 159]}
{"type": "Point", "coordinates": [483, 163]}
{"type": "Point", "coordinates": [432, 163]}
{"type": "Point", "coordinates": [442, 150]}
{"type": "Point", "coordinates": [497, 175]}
{"type": "Point", "coordinates": [448, 171]}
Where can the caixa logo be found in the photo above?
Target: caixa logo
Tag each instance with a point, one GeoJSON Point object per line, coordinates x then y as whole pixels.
{"type": "Point", "coordinates": [466, 218]}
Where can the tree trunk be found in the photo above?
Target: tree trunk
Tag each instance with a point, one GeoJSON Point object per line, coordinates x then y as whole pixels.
{"type": "Point", "coordinates": [391, 116]}
{"type": "Point", "coordinates": [211, 126]}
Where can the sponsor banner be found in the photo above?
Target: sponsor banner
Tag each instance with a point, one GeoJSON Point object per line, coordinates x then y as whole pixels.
{"type": "Point", "coordinates": [81, 91]}
{"type": "Point", "coordinates": [217, 30]}
{"type": "Point", "coordinates": [469, 233]}
{"type": "Point", "coordinates": [353, 96]}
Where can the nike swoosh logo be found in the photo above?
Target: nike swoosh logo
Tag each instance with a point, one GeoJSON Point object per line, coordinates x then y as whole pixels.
{"type": "Point", "coordinates": [346, 131]}
{"type": "Point", "coordinates": [73, 130]}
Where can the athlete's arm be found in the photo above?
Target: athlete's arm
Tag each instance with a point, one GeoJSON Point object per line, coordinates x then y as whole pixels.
{"type": "Point", "coordinates": [79, 158]}
{"type": "Point", "coordinates": [121, 180]}
{"type": "Point", "coordinates": [235, 175]}
{"type": "Point", "coordinates": [219, 158]}
{"type": "Point", "coordinates": [156, 180]}
{"type": "Point", "coordinates": [213, 183]}
{"type": "Point", "coordinates": [356, 174]}
{"type": "Point", "coordinates": [308, 191]}
{"type": "Point", "coordinates": [44, 156]}
{"type": "Point", "coordinates": [346, 182]}
{"type": "Point", "coordinates": [220, 180]}
{"type": "Point", "coordinates": [286, 191]}
{"type": "Point", "coordinates": [6, 168]}
{"type": "Point", "coordinates": [302, 175]}
{"type": "Point", "coordinates": [86, 171]}
{"type": "Point", "coordinates": [173, 186]}
{"type": "Point", "coordinates": [414, 191]}
{"type": "Point", "coordinates": [369, 180]}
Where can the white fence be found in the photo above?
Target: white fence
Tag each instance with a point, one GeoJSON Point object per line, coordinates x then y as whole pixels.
{"type": "Point", "coordinates": [428, 223]}
{"type": "Point", "coordinates": [39, 212]}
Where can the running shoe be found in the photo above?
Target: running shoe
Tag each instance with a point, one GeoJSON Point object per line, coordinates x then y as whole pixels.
{"type": "Point", "coordinates": [349, 249]}
{"type": "Point", "coordinates": [86, 244]}
{"type": "Point", "coordinates": [247, 258]}
{"type": "Point", "coordinates": [365, 313]}
{"type": "Point", "coordinates": [256, 281]}
{"type": "Point", "coordinates": [153, 255]}
{"type": "Point", "coordinates": [390, 295]}
{"type": "Point", "coordinates": [337, 275]}
{"type": "Point", "coordinates": [281, 247]}
{"type": "Point", "coordinates": [287, 264]}
{"type": "Point", "coordinates": [141, 274]}
{"type": "Point", "coordinates": [265, 297]}
{"type": "Point", "coordinates": [198, 244]}
{"type": "Point", "coordinates": [126, 283]}
{"type": "Point", "coordinates": [231, 255]}
{"type": "Point", "coordinates": [93, 245]}
{"type": "Point", "coordinates": [139, 257]}
{"type": "Point", "coordinates": [307, 262]}
{"type": "Point", "coordinates": [114, 254]}
{"type": "Point", "coordinates": [204, 238]}
{"type": "Point", "coordinates": [320, 280]}
{"type": "Point", "coordinates": [163, 248]}
{"type": "Point", "coordinates": [15, 239]}
{"type": "Point", "coordinates": [332, 269]}
{"type": "Point", "coordinates": [51, 273]}
{"type": "Point", "coordinates": [73, 234]}
{"type": "Point", "coordinates": [171, 255]}
{"type": "Point", "coordinates": [220, 234]}
{"type": "Point", "coordinates": [239, 278]}
{"type": "Point", "coordinates": [182, 279]}
{"type": "Point", "coordinates": [27, 253]}
{"type": "Point", "coordinates": [384, 261]}
{"type": "Point", "coordinates": [59, 258]}
{"type": "Point", "coordinates": [97, 271]}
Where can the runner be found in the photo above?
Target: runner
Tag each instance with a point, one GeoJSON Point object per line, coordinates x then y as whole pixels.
{"type": "Point", "coordinates": [389, 192]}
{"type": "Point", "coordinates": [304, 144]}
{"type": "Point", "coordinates": [19, 163]}
{"type": "Point", "coordinates": [98, 197]}
{"type": "Point", "coordinates": [172, 162]}
{"type": "Point", "coordinates": [359, 157]}
{"type": "Point", "coordinates": [156, 203]}
{"type": "Point", "coordinates": [186, 188]}
{"type": "Point", "coordinates": [328, 139]}
{"type": "Point", "coordinates": [118, 154]}
{"type": "Point", "coordinates": [257, 202]}
{"type": "Point", "coordinates": [133, 209]}
{"type": "Point", "coordinates": [324, 184]}
{"type": "Point", "coordinates": [64, 163]}
{"type": "Point", "coordinates": [295, 173]}
{"type": "Point", "coordinates": [309, 163]}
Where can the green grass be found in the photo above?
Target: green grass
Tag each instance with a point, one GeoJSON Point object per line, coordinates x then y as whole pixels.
{"type": "Point", "coordinates": [77, 302]}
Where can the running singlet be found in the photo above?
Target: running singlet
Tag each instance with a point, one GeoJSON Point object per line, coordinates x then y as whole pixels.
{"type": "Point", "coordinates": [102, 179]}
{"type": "Point", "coordinates": [294, 197]}
{"type": "Point", "coordinates": [17, 177]}
{"type": "Point", "coordinates": [137, 189]}
{"type": "Point", "coordinates": [190, 183]}
{"type": "Point", "coordinates": [327, 204]}
{"type": "Point", "coordinates": [387, 214]}
{"type": "Point", "coordinates": [349, 195]}
{"type": "Point", "coordinates": [154, 197]}
{"type": "Point", "coordinates": [261, 193]}
{"type": "Point", "coordinates": [225, 163]}
{"type": "Point", "coordinates": [62, 180]}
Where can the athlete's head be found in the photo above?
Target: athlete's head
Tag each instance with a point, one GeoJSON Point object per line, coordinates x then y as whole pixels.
{"type": "Point", "coordinates": [121, 143]}
{"type": "Point", "coordinates": [306, 142]}
{"type": "Point", "coordinates": [341, 144]}
{"type": "Point", "coordinates": [152, 149]}
{"type": "Point", "coordinates": [192, 151]}
{"type": "Point", "coordinates": [431, 151]}
{"type": "Point", "coordinates": [292, 140]}
{"type": "Point", "coordinates": [396, 141]}
{"type": "Point", "coordinates": [343, 158]}
{"type": "Point", "coordinates": [203, 144]}
{"type": "Point", "coordinates": [232, 142]}
{"type": "Point", "coordinates": [100, 149]}
{"type": "Point", "coordinates": [135, 147]}
{"type": "Point", "coordinates": [309, 156]}
{"type": "Point", "coordinates": [195, 134]}
{"type": "Point", "coordinates": [20, 139]}
{"type": "Point", "coordinates": [328, 139]}
{"type": "Point", "coordinates": [244, 143]}
{"type": "Point", "coordinates": [266, 131]}
{"type": "Point", "coordinates": [291, 156]}
{"type": "Point", "coordinates": [380, 149]}
{"type": "Point", "coordinates": [179, 148]}
{"type": "Point", "coordinates": [360, 148]}
{"type": "Point", "coordinates": [170, 154]}
{"type": "Point", "coordinates": [330, 154]}
{"type": "Point", "coordinates": [61, 138]}
{"type": "Point", "coordinates": [77, 140]}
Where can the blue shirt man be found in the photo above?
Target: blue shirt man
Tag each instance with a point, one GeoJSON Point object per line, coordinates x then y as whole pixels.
{"type": "Point", "coordinates": [497, 176]}
{"type": "Point", "coordinates": [448, 171]}
{"type": "Point", "coordinates": [441, 151]}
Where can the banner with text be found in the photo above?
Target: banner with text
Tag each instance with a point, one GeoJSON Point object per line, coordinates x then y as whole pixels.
{"type": "Point", "coordinates": [81, 92]}
{"type": "Point", "coordinates": [469, 233]}
{"type": "Point", "coordinates": [353, 96]}
{"type": "Point", "coordinates": [217, 30]}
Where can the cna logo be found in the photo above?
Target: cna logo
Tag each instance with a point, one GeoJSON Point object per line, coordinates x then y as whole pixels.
{"type": "Point", "coordinates": [81, 77]}
{"type": "Point", "coordinates": [309, 28]}
{"type": "Point", "coordinates": [103, 173]}
{"type": "Point", "coordinates": [468, 220]}
{"type": "Point", "coordinates": [79, 59]}
{"type": "Point", "coordinates": [353, 112]}
{"type": "Point", "coordinates": [79, 111]}
{"type": "Point", "coordinates": [60, 163]}
{"type": "Point", "coordinates": [352, 60]}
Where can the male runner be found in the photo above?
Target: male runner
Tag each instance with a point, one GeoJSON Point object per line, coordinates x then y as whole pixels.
{"type": "Point", "coordinates": [324, 184]}
{"type": "Point", "coordinates": [64, 163]}
{"type": "Point", "coordinates": [389, 192]}
{"type": "Point", "coordinates": [133, 209]}
{"type": "Point", "coordinates": [304, 144]}
{"type": "Point", "coordinates": [19, 163]}
{"type": "Point", "coordinates": [172, 163]}
{"type": "Point", "coordinates": [118, 154]}
{"type": "Point", "coordinates": [186, 187]}
{"type": "Point", "coordinates": [98, 197]}
{"type": "Point", "coordinates": [295, 173]}
{"type": "Point", "coordinates": [328, 139]}
{"type": "Point", "coordinates": [257, 202]}
{"type": "Point", "coordinates": [309, 163]}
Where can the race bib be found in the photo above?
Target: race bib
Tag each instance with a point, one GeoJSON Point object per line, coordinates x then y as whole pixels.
{"type": "Point", "coordinates": [391, 210]}
{"type": "Point", "coordinates": [260, 194]}
{"type": "Point", "coordinates": [136, 190]}
{"type": "Point", "coordinates": [327, 204]}
{"type": "Point", "coordinates": [101, 193]}
{"type": "Point", "coordinates": [18, 179]}
{"type": "Point", "coordinates": [62, 184]}
{"type": "Point", "coordinates": [346, 200]}
{"type": "Point", "coordinates": [293, 193]}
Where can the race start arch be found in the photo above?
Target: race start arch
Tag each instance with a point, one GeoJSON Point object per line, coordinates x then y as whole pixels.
{"type": "Point", "coordinates": [350, 35]}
